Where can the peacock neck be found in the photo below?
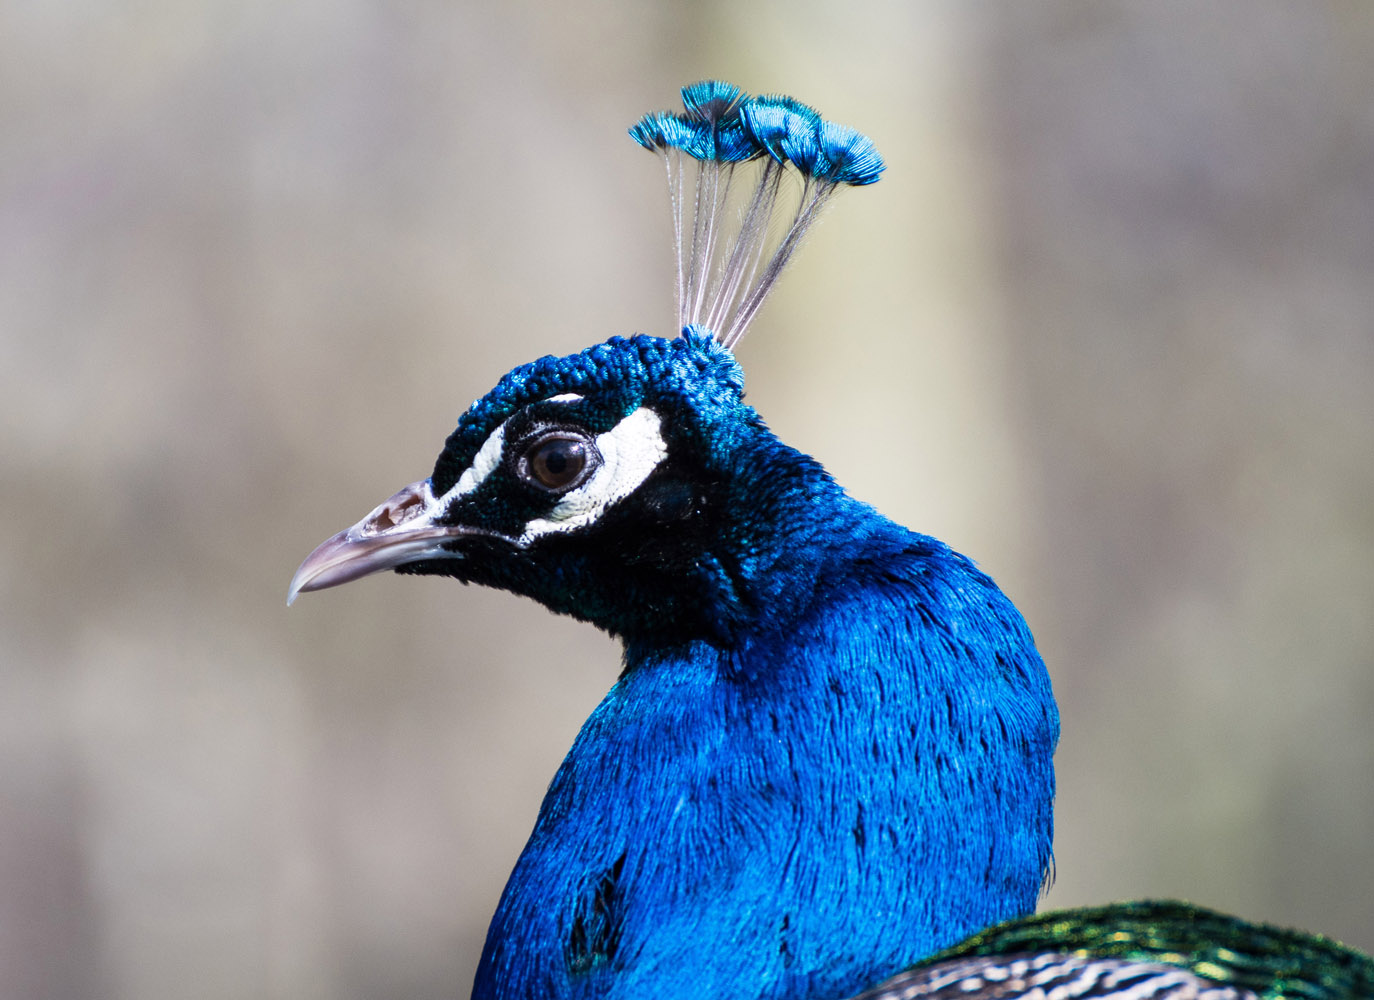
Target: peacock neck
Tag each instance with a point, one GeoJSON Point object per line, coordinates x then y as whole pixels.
{"type": "Point", "coordinates": [808, 810]}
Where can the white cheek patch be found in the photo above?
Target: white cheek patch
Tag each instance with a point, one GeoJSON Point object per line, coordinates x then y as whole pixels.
{"type": "Point", "coordinates": [486, 460]}
{"type": "Point", "coordinates": [630, 451]}
{"type": "Point", "coordinates": [565, 397]}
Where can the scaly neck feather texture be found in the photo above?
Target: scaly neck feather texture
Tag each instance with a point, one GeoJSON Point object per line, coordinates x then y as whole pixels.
{"type": "Point", "coordinates": [856, 779]}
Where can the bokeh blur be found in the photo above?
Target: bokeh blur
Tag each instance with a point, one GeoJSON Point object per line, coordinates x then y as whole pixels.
{"type": "Point", "coordinates": [1107, 325]}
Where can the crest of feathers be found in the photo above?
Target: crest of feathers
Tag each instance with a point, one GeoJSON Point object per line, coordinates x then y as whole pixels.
{"type": "Point", "coordinates": [761, 170]}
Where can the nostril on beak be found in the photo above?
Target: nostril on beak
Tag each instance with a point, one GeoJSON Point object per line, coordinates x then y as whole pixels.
{"type": "Point", "coordinates": [404, 506]}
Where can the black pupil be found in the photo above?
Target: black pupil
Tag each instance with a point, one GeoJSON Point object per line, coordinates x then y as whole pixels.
{"type": "Point", "coordinates": [558, 462]}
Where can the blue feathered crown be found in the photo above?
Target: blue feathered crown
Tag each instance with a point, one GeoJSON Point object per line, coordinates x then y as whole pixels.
{"type": "Point", "coordinates": [733, 240]}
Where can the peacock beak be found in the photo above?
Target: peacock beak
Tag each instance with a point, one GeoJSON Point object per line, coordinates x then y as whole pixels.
{"type": "Point", "coordinates": [401, 530]}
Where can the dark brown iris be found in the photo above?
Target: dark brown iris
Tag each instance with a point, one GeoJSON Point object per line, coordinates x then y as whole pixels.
{"type": "Point", "coordinates": [557, 462]}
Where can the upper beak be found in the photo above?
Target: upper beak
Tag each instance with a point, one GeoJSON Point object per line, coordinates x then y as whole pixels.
{"type": "Point", "coordinates": [399, 531]}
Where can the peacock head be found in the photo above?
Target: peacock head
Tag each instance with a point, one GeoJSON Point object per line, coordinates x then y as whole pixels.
{"type": "Point", "coordinates": [593, 483]}
{"type": "Point", "coordinates": [630, 485]}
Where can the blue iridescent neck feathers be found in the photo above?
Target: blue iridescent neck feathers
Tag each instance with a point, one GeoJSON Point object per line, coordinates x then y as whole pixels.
{"type": "Point", "coordinates": [829, 752]}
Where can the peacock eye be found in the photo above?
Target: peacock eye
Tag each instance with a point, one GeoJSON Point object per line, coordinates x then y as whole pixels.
{"type": "Point", "coordinates": [558, 462]}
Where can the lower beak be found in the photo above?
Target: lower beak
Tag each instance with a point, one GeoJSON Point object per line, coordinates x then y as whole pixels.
{"type": "Point", "coordinates": [401, 530]}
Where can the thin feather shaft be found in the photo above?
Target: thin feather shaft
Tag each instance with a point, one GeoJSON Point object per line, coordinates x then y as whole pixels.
{"type": "Point", "coordinates": [726, 257]}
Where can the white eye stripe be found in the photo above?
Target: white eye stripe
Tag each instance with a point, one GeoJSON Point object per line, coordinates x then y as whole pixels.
{"type": "Point", "coordinates": [630, 451]}
{"type": "Point", "coordinates": [488, 457]}
{"type": "Point", "coordinates": [486, 460]}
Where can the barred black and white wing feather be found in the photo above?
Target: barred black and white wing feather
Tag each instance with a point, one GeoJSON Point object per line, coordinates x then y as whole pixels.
{"type": "Point", "coordinates": [1050, 976]}
{"type": "Point", "coordinates": [1146, 950]}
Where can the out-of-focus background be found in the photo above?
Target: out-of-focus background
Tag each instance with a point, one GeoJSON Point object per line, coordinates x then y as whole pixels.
{"type": "Point", "coordinates": [1107, 325]}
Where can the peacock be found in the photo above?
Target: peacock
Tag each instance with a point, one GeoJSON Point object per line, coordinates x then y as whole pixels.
{"type": "Point", "coordinates": [828, 756]}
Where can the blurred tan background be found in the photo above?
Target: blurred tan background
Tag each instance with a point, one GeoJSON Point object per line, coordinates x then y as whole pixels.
{"type": "Point", "coordinates": [1107, 325]}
